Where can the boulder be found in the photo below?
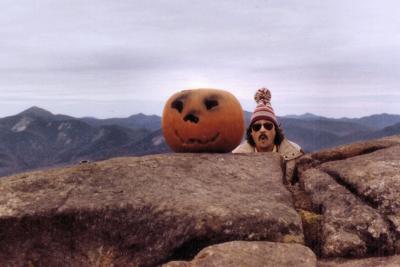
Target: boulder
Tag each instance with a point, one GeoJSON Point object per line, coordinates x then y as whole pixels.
{"type": "Point", "coordinates": [374, 178]}
{"type": "Point", "coordinates": [393, 261]}
{"type": "Point", "coordinates": [349, 226]}
{"type": "Point", "coordinates": [356, 190]}
{"type": "Point", "coordinates": [143, 211]}
{"type": "Point", "coordinates": [251, 254]}
{"type": "Point", "coordinates": [346, 151]}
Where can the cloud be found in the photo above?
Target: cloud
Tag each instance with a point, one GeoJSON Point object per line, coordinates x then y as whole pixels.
{"type": "Point", "coordinates": [138, 50]}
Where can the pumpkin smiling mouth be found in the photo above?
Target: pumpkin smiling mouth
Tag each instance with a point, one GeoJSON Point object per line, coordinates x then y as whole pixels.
{"type": "Point", "coordinates": [192, 141]}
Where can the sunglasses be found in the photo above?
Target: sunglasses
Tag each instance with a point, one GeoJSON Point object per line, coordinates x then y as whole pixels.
{"type": "Point", "coordinates": [257, 126]}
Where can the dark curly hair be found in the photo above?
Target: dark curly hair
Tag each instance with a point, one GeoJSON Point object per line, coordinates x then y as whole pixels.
{"type": "Point", "coordinates": [279, 136]}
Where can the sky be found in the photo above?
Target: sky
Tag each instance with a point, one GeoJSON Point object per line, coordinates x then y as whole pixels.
{"type": "Point", "coordinates": [103, 58]}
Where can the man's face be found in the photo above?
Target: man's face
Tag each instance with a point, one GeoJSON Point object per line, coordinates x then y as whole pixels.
{"type": "Point", "coordinates": [263, 133]}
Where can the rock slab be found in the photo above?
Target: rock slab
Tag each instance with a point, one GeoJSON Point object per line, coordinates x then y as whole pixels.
{"type": "Point", "coordinates": [357, 191]}
{"type": "Point", "coordinates": [251, 254]}
{"type": "Point", "coordinates": [349, 226]}
{"type": "Point", "coordinates": [143, 211]}
{"type": "Point", "coordinates": [374, 177]}
{"type": "Point", "coordinates": [393, 261]}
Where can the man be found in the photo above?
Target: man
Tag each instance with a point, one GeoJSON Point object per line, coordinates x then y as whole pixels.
{"type": "Point", "coordinates": [265, 135]}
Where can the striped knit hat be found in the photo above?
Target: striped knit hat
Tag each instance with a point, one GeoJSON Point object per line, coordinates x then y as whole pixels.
{"type": "Point", "coordinates": [264, 110]}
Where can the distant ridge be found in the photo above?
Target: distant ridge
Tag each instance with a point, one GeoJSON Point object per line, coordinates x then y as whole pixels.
{"type": "Point", "coordinates": [376, 121]}
{"type": "Point", "coordinates": [150, 122]}
{"type": "Point", "coordinates": [36, 138]}
{"type": "Point", "coordinates": [36, 111]}
{"type": "Point", "coordinates": [305, 116]}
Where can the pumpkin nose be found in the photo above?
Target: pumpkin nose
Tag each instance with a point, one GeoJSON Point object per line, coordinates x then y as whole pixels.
{"type": "Point", "coordinates": [192, 118]}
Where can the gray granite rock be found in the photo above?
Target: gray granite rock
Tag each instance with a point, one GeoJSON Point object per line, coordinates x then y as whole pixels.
{"type": "Point", "coordinates": [356, 189]}
{"type": "Point", "coordinates": [375, 178]}
{"type": "Point", "coordinates": [346, 151]}
{"type": "Point", "coordinates": [251, 254]}
{"type": "Point", "coordinates": [349, 226]}
{"type": "Point", "coordinates": [141, 211]}
{"type": "Point", "coordinates": [393, 261]}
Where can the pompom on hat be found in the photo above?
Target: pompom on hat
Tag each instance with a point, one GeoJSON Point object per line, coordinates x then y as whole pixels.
{"type": "Point", "coordinates": [264, 110]}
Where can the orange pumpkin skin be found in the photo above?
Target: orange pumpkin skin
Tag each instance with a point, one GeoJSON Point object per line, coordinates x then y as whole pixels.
{"type": "Point", "coordinates": [203, 120]}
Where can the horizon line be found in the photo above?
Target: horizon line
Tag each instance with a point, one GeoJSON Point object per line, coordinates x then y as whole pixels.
{"type": "Point", "coordinates": [245, 111]}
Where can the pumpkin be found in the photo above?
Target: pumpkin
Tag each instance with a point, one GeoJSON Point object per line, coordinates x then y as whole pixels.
{"type": "Point", "coordinates": [203, 120]}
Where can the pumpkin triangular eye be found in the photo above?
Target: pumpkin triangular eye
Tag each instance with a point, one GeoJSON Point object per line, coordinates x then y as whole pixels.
{"type": "Point", "coordinates": [210, 103]}
{"type": "Point", "coordinates": [178, 105]}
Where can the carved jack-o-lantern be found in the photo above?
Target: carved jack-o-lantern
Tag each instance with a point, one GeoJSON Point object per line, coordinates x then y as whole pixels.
{"type": "Point", "coordinates": [203, 120]}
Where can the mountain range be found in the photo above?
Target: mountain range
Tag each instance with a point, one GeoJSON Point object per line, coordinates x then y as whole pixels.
{"type": "Point", "coordinates": [36, 138]}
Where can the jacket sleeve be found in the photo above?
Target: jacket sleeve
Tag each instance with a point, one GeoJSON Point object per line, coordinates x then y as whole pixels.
{"type": "Point", "coordinates": [290, 152]}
